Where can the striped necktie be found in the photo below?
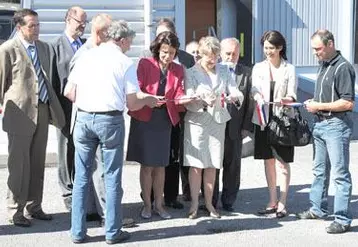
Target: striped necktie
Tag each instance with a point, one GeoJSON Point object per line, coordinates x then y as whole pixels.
{"type": "Point", "coordinates": [43, 94]}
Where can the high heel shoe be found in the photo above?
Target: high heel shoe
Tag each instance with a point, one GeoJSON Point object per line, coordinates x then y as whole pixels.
{"type": "Point", "coordinates": [281, 214]}
{"type": "Point", "coordinates": [269, 210]}
{"type": "Point", "coordinates": [164, 215]}
{"type": "Point", "coordinates": [215, 215]}
{"type": "Point", "coordinates": [193, 215]}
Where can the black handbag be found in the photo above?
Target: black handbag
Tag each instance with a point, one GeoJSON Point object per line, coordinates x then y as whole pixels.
{"type": "Point", "coordinates": [288, 130]}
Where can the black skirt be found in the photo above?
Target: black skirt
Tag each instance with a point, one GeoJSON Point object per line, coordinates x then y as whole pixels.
{"type": "Point", "coordinates": [264, 150]}
{"type": "Point", "coordinates": [149, 142]}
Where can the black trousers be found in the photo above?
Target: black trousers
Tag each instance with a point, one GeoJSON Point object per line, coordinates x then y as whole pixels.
{"type": "Point", "coordinates": [231, 172]}
{"type": "Point", "coordinates": [172, 171]}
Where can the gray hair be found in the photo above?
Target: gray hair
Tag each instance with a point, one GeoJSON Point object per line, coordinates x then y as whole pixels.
{"type": "Point", "coordinates": [231, 40]}
{"type": "Point", "coordinates": [119, 30]}
{"type": "Point", "coordinates": [209, 45]}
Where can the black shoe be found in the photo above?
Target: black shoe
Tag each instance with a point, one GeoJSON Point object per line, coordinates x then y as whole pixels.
{"type": "Point", "coordinates": [336, 228]}
{"type": "Point", "coordinates": [41, 215]}
{"type": "Point", "coordinates": [20, 221]}
{"type": "Point", "coordinates": [123, 236]}
{"type": "Point", "coordinates": [281, 214]}
{"type": "Point", "coordinates": [93, 217]}
{"type": "Point", "coordinates": [228, 208]}
{"type": "Point", "coordinates": [267, 211]}
{"type": "Point", "coordinates": [68, 203]}
{"type": "Point", "coordinates": [81, 240]}
{"type": "Point", "coordinates": [174, 204]}
{"type": "Point", "coordinates": [307, 215]}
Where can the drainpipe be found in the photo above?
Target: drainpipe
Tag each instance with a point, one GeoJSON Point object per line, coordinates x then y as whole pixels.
{"type": "Point", "coordinates": [26, 4]}
{"type": "Point", "coordinates": [148, 22]}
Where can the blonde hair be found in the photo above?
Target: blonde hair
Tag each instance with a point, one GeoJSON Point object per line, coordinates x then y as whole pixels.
{"type": "Point", "coordinates": [209, 45]}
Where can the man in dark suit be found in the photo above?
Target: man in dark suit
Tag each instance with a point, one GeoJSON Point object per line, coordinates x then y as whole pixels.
{"type": "Point", "coordinates": [29, 104]}
{"type": "Point", "coordinates": [65, 46]}
{"type": "Point", "coordinates": [171, 185]}
{"type": "Point", "coordinates": [235, 128]}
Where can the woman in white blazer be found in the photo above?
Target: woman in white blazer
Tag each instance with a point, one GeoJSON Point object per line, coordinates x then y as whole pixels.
{"type": "Point", "coordinates": [273, 80]}
{"type": "Point", "coordinates": [205, 121]}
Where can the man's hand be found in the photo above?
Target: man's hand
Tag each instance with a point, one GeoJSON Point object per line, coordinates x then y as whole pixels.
{"type": "Point", "coordinates": [312, 106]}
{"type": "Point", "coordinates": [70, 91]}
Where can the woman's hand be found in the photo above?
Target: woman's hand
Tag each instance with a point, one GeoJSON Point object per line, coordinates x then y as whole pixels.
{"type": "Point", "coordinates": [185, 99]}
{"type": "Point", "coordinates": [209, 99]}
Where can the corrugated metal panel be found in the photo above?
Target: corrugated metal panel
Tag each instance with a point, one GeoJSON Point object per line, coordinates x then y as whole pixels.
{"type": "Point", "coordinates": [297, 20]}
{"type": "Point", "coordinates": [52, 13]}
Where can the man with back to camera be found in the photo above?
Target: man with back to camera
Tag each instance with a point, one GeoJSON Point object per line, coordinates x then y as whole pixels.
{"type": "Point", "coordinates": [97, 200]}
{"type": "Point", "coordinates": [332, 129]}
{"type": "Point", "coordinates": [103, 73]}
{"type": "Point", "coordinates": [29, 104]}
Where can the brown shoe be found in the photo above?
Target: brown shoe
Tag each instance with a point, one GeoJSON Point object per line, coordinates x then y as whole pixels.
{"type": "Point", "coordinates": [41, 215]}
{"type": "Point", "coordinates": [20, 221]}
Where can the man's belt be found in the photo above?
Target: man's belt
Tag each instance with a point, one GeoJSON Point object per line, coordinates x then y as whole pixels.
{"type": "Point", "coordinates": [108, 113]}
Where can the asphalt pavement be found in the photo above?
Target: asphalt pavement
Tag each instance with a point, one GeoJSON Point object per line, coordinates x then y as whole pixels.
{"type": "Point", "coordinates": [240, 228]}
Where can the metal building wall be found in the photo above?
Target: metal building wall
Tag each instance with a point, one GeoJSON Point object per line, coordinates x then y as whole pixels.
{"type": "Point", "coordinates": [52, 13]}
{"type": "Point", "coordinates": [297, 20]}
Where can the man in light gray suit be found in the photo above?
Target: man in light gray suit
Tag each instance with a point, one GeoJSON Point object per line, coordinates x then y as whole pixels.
{"type": "Point", "coordinates": [65, 46]}
{"type": "Point", "coordinates": [29, 104]}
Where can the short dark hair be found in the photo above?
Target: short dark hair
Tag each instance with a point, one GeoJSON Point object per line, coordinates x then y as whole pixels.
{"type": "Point", "coordinates": [324, 35]}
{"type": "Point", "coordinates": [167, 38]}
{"type": "Point", "coordinates": [276, 38]}
{"type": "Point", "coordinates": [20, 15]}
{"type": "Point", "coordinates": [167, 23]}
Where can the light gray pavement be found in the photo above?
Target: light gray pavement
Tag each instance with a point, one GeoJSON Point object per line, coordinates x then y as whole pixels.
{"type": "Point", "coordinates": [242, 228]}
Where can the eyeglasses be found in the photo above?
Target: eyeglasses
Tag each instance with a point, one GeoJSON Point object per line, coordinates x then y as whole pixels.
{"type": "Point", "coordinates": [78, 21]}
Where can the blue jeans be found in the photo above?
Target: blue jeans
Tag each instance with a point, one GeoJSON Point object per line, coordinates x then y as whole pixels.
{"type": "Point", "coordinates": [331, 155]}
{"type": "Point", "coordinates": [90, 131]}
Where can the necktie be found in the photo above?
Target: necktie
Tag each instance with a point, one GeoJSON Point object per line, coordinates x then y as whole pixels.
{"type": "Point", "coordinates": [43, 94]}
{"type": "Point", "coordinates": [76, 45]}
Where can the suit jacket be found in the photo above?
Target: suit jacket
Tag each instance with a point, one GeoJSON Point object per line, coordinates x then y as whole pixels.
{"type": "Point", "coordinates": [285, 86]}
{"type": "Point", "coordinates": [64, 53]}
{"type": "Point", "coordinates": [19, 87]}
{"type": "Point", "coordinates": [149, 76]}
{"type": "Point", "coordinates": [197, 83]}
{"type": "Point", "coordinates": [241, 118]}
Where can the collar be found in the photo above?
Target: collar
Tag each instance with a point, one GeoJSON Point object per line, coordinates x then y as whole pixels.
{"type": "Point", "coordinates": [334, 59]}
{"type": "Point", "coordinates": [71, 40]}
{"type": "Point", "coordinates": [25, 43]}
{"type": "Point", "coordinates": [283, 62]}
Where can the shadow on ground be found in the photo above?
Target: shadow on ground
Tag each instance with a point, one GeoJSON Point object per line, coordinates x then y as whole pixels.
{"type": "Point", "coordinates": [243, 219]}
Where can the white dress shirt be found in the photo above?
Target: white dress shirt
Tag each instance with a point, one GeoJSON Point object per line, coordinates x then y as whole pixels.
{"type": "Point", "coordinates": [103, 76]}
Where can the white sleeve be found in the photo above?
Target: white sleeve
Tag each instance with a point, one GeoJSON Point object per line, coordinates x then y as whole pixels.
{"type": "Point", "coordinates": [130, 80]}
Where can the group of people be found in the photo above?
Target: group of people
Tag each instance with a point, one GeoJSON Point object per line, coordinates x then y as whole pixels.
{"type": "Point", "coordinates": [189, 114]}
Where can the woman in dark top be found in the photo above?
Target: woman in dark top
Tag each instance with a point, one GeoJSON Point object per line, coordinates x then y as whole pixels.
{"type": "Point", "coordinates": [150, 130]}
